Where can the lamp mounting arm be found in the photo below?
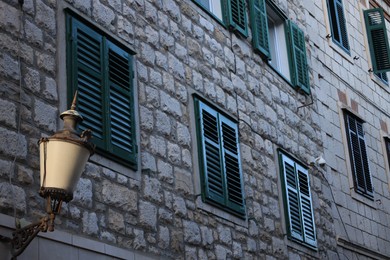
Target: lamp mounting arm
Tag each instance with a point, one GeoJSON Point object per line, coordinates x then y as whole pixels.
{"type": "Point", "coordinates": [22, 237]}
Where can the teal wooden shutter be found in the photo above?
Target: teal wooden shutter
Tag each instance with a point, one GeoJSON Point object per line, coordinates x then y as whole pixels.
{"type": "Point", "coordinates": [236, 16]}
{"type": "Point", "coordinates": [377, 39]}
{"type": "Point", "coordinates": [231, 163]}
{"type": "Point", "coordinates": [220, 159]}
{"type": "Point", "coordinates": [87, 65]}
{"type": "Point", "coordinates": [120, 103]}
{"type": "Point", "coordinates": [259, 23]}
{"type": "Point", "coordinates": [214, 181]}
{"type": "Point", "coordinates": [309, 232]}
{"type": "Point", "coordinates": [358, 154]}
{"type": "Point", "coordinates": [299, 68]}
{"type": "Point", "coordinates": [295, 228]}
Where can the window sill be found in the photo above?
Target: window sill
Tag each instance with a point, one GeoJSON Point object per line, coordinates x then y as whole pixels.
{"type": "Point", "coordinates": [301, 247]}
{"type": "Point", "coordinates": [115, 166]}
{"type": "Point", "coordinates": [361, 198]}
{"type": "Point", "coordinates": [340, 50]}
{"type": "Point", "coordinates": [220, 213]}
{"type": "Point", "coordinates": [379, 82]}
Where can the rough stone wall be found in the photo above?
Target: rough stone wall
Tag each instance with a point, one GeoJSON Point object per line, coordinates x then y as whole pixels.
{"type": "Point", "coordinates": [180, 50]}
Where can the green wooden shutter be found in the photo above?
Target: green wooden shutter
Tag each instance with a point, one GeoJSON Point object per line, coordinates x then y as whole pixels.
{"type": "Point", "coordinates": [259, 22]}
{"type": "Point", "coordinates": [87, 77]}
{"type": "Point", "coordinates": [121, 114]}
{"type": "Point", "coordinates": [359, 160]}
{"type": "Point", "coordinates": [220, 159]}
{"type": "Point", "coordinates": [377, 39]}
{"type": "Point", "coordinates": [306, 207]}
{"type": "Point", "coordinates": [236, 16]}
{"type": "Point", "coordinates": [295, 228]}
{"type": "Point", "coordinates": [231, 163]}
{"type": "Point", "coordinates": [214, 182]}
{"type": "Point", "coordinates": [299, 68]}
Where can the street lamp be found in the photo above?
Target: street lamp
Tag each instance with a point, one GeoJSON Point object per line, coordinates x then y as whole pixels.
{"type": "Point", "coordinates": [62, 160]}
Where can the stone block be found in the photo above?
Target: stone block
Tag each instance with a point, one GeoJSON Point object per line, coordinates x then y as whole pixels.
{"type": "Point", "coordinates": [83, 193]}
{"type": "Point", "coordinates": [90, 223]}
{"type": "Point", "coordinates": [103, 14]}
{"type": "Point", "coordinates": [147, 215]}
{"type": "Point", "coordinates": [12, 196]}
{"type": "Point", "coordinates": [119, 196]}
{"type": "Point", "coordinates": [116, 221]}
{"type": "Point", "coordinates": [152, 189]}
{"type": "Point", "coordinates": [191, 232]}
{"type": "Point", "coordinates": [8, 113]}
{"type": "Point", "coordinates": [12, 144]}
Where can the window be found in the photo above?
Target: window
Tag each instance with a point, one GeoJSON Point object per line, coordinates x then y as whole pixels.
{"type": "Point", "coordinates": [297, 201]}
{"type": "Point", "coordinates": [377, 40]}
{"type": "Point", "coordinates": [219, 157]}
{"type": "Point", "coordinates": [101, 71]}
{"type": "Point", "coordinates": [338, 24]}
{"type": "Point", "coordinates": [231, 12]}
{"type": "Point", "coordinates": [358, 155]}
{"type": "Point", "coordinates": [281, 42]}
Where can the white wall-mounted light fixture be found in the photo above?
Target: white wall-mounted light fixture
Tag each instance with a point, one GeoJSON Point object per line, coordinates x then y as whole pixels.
{"type": "Point", "coordinates": [62, 160]}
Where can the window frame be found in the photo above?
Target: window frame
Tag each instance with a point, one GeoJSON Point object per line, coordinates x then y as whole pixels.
{"type": "Point", "coordinates": [365, 189]}
{"type": "Point", "coordinates": [307, 235]}
{"type": "Point", "coordinates": [237, 22]}
{"type": "Point", "coordinates": [208, 195]}
{"type": "Point", "coordinates": [344, 39]}
{"type": "Point", "coordinates": [294, 38]}
{"type": "Point", "coordinates": [106, 146]}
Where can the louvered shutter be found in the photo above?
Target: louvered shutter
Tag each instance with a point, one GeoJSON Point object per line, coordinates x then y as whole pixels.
{"type": "Point", "coordinates": [377, 39]}
{"type": "Point", "coordinates": [121, 121]}
{"type": "Point", "coordinates": [88, 79]}
{"type": "Point", "coordinates": [295, 227]}
{"type": "Point", "coordinates": [259, 23]}
{"type": "Point", "coordinates": [359, 160]}
{"type": "Point", "coordinates": [307, 213]}
{"type": "Point", "coordinates": [341, 35]}
{"type": "Point", "coordinates": [231, 163]}
{"type": "Point", "coordinates": [214, 182]}
{"type": "Point", "coordinates": [387, 144]}
{"type": "Point", "coordinates": [300, 73]}
{"type": "Point", "coordinates": [236, 15]}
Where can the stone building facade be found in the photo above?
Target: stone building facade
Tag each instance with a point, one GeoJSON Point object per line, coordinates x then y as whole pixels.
{"type": "Point", "coordinates": [193, 65]}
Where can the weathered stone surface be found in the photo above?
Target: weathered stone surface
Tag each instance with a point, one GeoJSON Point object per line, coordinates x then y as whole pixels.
{"type": "Point", "coordinates": [90, 223]}
{"type": "Point", "coordinates": [183, 181]}
{"type": "Point", "coordinates": [50, 89]}
{"type": "Point", "coordinates": [116, 221]}
{"type": "Point", "coordinates": [139, 240]}
{"type": "Point", "coordinates": [45, 17]}
{"type": "Point", "coordinates": [191, 232]}
{"type": "Point", "coordinates": [102, 13]}
{"type": "Point", "coordinates": [119, 196]}
{"type": "Point", "coordinates": [12, 144]}
{"type": "Point", "coordinates": [225, 235]}
{"type": "Point", "coordinates": [147, 215]}
{"type": "Point", "coordinates": [207, 236]}
{"type": "Point", "coordinates": [163, 237]}
{"type": "Point", "coordinates": [45, 115]}
{"type": "Point", "coordinates": [9, 18]}
{"type": "Point", "coordinates": [165, 171]}
{"type": "Point", "coordinates": [152, 189]}
{"type": "Point", "coordinates": [12, 196]}
{"type": "Point", "coordinates": [25, 175]}
{"type": "Point", "coordinates": [83, 193]}
{"type": "Point", "coordinates": [179, 206]}
{"type": "Point", "coordinates": [7, 113]}
{"type": "Point", "coordinates": [9, 66]}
